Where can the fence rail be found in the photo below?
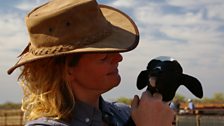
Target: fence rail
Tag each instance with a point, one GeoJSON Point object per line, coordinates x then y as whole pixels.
{"type": "Point", "coordinates": [11, 118]}
{"type": "Point", "coordinates": [15, 118]}
{"type": "Point", "coordinates": [200, 120]}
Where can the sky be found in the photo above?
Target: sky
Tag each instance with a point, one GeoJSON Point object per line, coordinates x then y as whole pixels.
{"type": "Point", "coordinates": [191, 31]}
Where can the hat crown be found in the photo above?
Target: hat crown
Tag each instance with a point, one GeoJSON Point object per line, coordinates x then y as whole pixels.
{"type": "Point", "coordinates": [62, 27]}
{"type": "Point", "coordinates": [65, 25]}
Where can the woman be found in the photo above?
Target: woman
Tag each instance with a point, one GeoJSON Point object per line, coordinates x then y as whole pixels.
{"type": "Point", "coordinates": [72, 59]}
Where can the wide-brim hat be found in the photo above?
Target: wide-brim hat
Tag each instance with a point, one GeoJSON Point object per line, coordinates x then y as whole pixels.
{"type": "Point", "coordinates": [74, 26]}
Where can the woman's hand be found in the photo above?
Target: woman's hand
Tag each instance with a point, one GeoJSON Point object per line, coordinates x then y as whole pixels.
{"type": "Point", "coordinates": [151, 111]}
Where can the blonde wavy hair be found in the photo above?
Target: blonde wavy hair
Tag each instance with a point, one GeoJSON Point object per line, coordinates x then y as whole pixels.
{"type": "Point", "coordinates": [46, 91]}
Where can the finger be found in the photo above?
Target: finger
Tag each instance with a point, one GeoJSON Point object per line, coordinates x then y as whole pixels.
{"type": "Point", "coordinates": [146, 95]}
{"type": "Point", "coordinates": [157, 96]}
{"type": "Point", "coordinates": [135, 102]}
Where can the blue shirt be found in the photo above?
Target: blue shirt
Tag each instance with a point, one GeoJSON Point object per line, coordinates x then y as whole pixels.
{"type": "Point", "coordinates": [113, 114]}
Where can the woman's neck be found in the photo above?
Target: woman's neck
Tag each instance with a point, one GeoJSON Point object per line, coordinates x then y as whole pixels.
{"type": "Point", "coordinates": [88, 96]}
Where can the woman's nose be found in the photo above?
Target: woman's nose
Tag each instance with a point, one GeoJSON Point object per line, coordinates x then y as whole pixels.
{"type": "Point", "coordinates": [117, 57]}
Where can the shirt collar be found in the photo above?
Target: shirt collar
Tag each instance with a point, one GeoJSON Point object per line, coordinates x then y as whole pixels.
{"type": "Point", "coordinates": [86, 113]}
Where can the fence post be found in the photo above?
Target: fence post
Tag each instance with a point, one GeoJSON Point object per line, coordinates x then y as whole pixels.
{"type": "Point", "coordinates": [198, 120]}
{"type": "Point", "coordinates": [21, 118]}
{"type": "Point", "coordinates": [177, 120]}
{"type": "Point", "coordinates": [5, 115]}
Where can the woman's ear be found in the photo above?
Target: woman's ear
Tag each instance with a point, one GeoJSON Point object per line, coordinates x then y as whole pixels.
{"type": "Point", "coordinates": [68, 70]}
{"type": "Point", "coordinates": [71, 61]}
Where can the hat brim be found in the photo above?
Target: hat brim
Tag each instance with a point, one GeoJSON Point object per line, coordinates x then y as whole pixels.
{"type": "Point", "coordinates": [125, 37]}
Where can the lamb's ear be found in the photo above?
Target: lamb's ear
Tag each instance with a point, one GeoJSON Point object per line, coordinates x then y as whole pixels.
{"type": "Point", "coordinates": [193, 84]}
{"type": "Point", "coordinates": [143, 79]}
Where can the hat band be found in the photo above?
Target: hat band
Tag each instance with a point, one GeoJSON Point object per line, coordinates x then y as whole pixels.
{"type": "Point", "coordinates": [77, 44]}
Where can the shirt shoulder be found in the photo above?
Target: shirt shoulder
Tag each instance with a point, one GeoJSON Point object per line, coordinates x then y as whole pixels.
{"type": "Point", "coordinates": [121, 107]}
{"type": "Point", "coordinates": [120, 110]}
{"type": "Point", "coordinates": [45, 122]}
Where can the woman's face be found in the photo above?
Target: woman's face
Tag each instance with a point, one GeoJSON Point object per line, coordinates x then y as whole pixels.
{"type": "Point", "coordinates": [96, 72]}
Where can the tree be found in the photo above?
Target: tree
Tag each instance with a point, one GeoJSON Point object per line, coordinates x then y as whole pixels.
{"type": "Point", "coordinates": [10, 105]}
{"type": "Point", "coordinates": [180, 98]}
{"type": "Point", "coordinates": [124, 100]}
{"type": "Point", "coordinates": [218, 97]}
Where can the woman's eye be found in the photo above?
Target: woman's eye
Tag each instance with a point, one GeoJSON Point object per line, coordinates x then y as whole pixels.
{"type": "Point", "coordinates": [103, 57]}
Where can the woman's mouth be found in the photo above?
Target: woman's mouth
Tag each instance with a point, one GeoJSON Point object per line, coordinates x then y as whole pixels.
{"type": "Point", "coordinates": [114, 72]}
